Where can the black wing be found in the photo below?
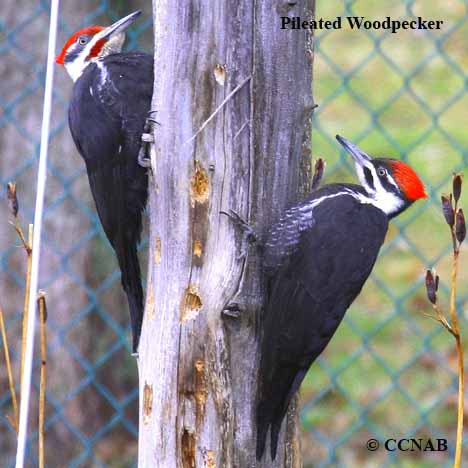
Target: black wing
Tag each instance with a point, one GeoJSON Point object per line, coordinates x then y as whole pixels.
{"type": "Point", "coordinates": [309, 292]}
{"type": "Point", "coordinates": [107, 114]}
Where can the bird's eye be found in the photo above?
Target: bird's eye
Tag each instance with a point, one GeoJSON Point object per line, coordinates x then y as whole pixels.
{"type": "Point", "coordinates": [82, 40]}
{"type": "Point", "coordinates": [381, 171]}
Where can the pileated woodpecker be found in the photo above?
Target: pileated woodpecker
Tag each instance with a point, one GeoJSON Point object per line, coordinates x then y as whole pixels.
{"type": "Point", "coordinates": [317, 258]}
{"type": "Point", "coordinates": [107, 114]}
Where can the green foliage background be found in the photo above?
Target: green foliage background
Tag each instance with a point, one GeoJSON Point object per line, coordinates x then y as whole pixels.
{"type": "Point", "coordinates": [389, 372]}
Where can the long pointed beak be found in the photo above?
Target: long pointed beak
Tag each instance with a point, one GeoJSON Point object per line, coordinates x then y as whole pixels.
{"type": "Point", "coordinates": [359, 156]}
{"type": "Point", "coordinates": [119, 26]}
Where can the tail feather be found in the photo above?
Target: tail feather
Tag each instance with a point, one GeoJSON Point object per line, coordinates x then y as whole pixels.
{"type": "Point", "coordinates": [267, 420]}
{"type": "Point", "coordinates": [131, 282]}
{"type": "Point", "coordinates": [273, 403]}
{"type": "Point", "coordinates": [119, 188]}
{"type": "Point", "coordinates": [274, 436]}
{"type": "Point", "coordinates": [263, 424]}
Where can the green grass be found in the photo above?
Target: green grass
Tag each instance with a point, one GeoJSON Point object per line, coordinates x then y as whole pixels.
{"type": "Point", "coordinates": [389, 369]}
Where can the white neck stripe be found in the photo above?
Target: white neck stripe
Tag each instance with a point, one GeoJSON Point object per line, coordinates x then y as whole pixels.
{"type": "Point", "coordinates": [385, 201]}
{"type": "Point", "coordinates": [76, 68]}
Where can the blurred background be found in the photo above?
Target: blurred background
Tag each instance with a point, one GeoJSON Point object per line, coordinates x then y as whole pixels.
{"type": "Point", "coordinates": [389, 372]}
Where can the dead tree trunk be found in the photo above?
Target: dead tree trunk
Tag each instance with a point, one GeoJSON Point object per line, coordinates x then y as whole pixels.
{"type": "Point", "coordinates": [233, 99]}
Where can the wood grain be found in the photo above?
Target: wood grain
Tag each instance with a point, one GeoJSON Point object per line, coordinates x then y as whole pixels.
{"type": "Point", "coordinates": [253, 157]}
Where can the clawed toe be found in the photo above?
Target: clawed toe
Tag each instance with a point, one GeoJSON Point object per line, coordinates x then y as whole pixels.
{"type": "Point", "coordinates": [248, 234]}
{"type": "Point", "coordinates": [146, 139]}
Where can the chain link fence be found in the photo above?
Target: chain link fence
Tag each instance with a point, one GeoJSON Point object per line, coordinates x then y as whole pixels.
{"type": "Point", "coordinates": [388, 373]}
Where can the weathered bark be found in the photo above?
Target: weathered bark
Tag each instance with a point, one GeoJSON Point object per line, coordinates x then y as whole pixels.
{"type": "Point", "coordinates": [198, 361]}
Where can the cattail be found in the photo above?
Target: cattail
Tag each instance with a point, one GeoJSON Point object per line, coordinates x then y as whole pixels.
{"type": "Point", "coordinates": [447, 209]}
{"type": "Point", "coordinates": [457, 186]}
{"type": "Point", "coordinates": [431, 286]}
{"type": "Point", "coordinates": [12, 199]}
{"type": "Point", "coordinates": [460, 226]}
{"type": "Point", "coordinates": [318, 173]}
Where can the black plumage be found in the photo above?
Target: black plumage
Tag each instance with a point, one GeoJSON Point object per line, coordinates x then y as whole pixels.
{"type": "Point", "coordinates": [317, 258]}
{"type": "Point", "coordinates": [107, 113]}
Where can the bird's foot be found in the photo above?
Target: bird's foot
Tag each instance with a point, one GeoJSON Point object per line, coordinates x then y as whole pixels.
{"type": "Point", "coordinates": [248, 234]}
{"type": "Point", "coordinates": [232, 310]}
{"type": "Point", "coordinates": [143, 159]}
{"type": "Point", "coordinates": [232, 316]}
{"type": "Point", "coordinates": [146, 139]}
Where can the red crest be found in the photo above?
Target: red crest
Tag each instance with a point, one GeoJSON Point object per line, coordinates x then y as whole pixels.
{"type": "Point", "coordinates": [90, 31]}
{"type": "Point", "coordinates": [408, 181]}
